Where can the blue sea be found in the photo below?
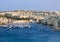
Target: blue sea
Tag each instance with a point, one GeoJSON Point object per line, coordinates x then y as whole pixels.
{"type": "Point", "coordinates": [37, 33]}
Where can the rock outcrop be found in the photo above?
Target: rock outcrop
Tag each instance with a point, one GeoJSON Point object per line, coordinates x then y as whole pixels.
{"type": "Point", "coordinates": [42, 17]}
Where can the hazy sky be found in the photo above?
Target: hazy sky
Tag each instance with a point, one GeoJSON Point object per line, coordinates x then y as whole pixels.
{"type": "Point", "coordinates": [49, 5]}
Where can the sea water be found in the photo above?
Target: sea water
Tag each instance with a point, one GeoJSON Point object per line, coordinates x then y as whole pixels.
{"type": "Point", "coordinates": [37, 33]}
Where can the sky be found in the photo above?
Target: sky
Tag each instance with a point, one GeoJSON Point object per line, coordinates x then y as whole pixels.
{"type": "Point", "coordinates": [42, 5]}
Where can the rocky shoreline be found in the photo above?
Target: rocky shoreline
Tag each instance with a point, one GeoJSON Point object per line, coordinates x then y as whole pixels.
{"type": "Point", "coordinates": [17, 25]}
{"type": "Point", "coordinates": [25, 16]}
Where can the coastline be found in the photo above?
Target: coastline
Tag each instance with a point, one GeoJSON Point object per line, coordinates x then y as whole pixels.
{"type": "Point", "coordinates": [26, 16]}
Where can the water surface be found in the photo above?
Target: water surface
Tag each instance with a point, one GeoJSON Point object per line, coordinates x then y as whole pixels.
{"type": "Point", "coordinates": [37, 33]}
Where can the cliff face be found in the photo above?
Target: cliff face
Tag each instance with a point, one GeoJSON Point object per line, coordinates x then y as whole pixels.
{"type": "Point", "coordinates": [29, 15]}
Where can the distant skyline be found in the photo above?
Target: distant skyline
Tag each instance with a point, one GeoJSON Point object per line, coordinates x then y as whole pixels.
{"type": "Point", "coordinates": [42, 5]}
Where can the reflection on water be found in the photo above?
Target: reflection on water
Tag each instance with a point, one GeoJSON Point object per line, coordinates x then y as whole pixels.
{"type": "Point", "coordinates": [38, 33]}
